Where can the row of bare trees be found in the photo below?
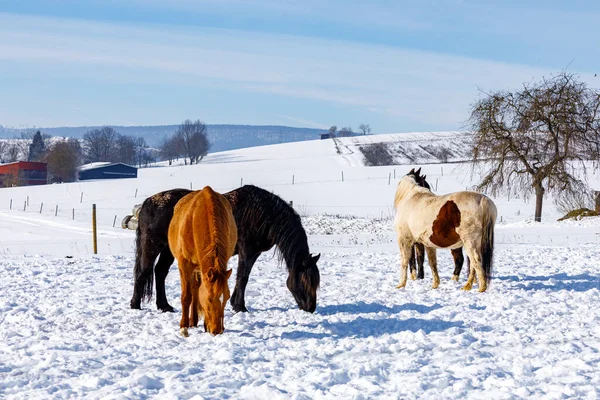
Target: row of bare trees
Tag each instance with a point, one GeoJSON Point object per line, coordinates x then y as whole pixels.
{"type": "Point", "coordinates": [106, 144]}
{"type": "Point", "coordinates": [363, 129]}
{"type": "Point", "coordinates": [190, 141]}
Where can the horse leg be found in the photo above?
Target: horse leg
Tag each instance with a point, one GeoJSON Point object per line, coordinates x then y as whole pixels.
{"type": "Point", "coordinates": [412, 263]}
{"type": "Point", "coordinates": [186, 298]}
{"type": "Point", "coordinates": [245, 264]}
{"type": "Point", "coordinates": [474, 268]}
{"type": "Point", "coordinates": [196, 282]}
{"type": "Point", "coordinates": [432, 256]}
{"type": "Point", "coordinates": [160, 273]}
{"type": "Point", "coordinates": [459, 260]}
{"type": "Point", "coordinates": [405, 252]}
{"type": "Point", "coordinates": [420, 253]}
{"type": "Point", "coordinates": [142, 280]}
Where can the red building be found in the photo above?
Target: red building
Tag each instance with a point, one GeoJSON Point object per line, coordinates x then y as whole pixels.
{"type": "Point", "coordinates": [23, 173]}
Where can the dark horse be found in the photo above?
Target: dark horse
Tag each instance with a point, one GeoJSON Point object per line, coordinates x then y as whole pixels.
{"type": "Point", "coordinates": [417, 257]}
{"type": "Point", "coordinates": [263, 220]}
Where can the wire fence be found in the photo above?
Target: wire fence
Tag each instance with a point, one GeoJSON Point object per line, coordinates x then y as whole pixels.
{"type": "Point", "coordinates": [76, 209]}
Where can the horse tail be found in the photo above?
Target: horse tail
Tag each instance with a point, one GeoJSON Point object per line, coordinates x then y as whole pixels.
{"type": "Point", "coordinates": [487, 240]}
{"type": "Point", "coordinates": [145, 279]}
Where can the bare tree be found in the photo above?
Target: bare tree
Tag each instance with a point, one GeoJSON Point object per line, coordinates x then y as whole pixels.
{"type": "Point", "coordinates": [192, 135]}
{"type": "Point", "coordinates": [126, 151]}
{"type": "Point", "coordinates": [332, 131]}
{"type": "Point", "coordinates": [3, 148]}
{"type": "Point", "coordinates": [365, 129]}
{"type": "Point", "coordinates": [169, 149]}
{"type": "Point", "coordinates": [345, 131]}
{"type": "Point", "coordinates": [13, 152]}
{"type": "Point", "coordinates": [100, 144]}
{"type": "Point", "coordinates": [529, 140]}
{"type": "Point", "coordinates": [63, 159]}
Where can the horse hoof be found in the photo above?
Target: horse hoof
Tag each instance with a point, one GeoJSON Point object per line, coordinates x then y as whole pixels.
{"type": "Point", "coordinates": [435, 285]}
{"type": "Point", "coordinates": [455, 278]}
{"type": "Point", "coordinates": [166, 308]}
{"type": "Point", "coordinates": [237, 308]}
{"type": "Point", "coordinates": [184, 332]}
{"type": "Point", "coordinates": [136, 305]}
{"type": "Point", "coordinates": [401, 286]}
{"type": "Point", "coordinates": [413, 276]}
{"type": "Point", "coordinates": [466, 287]}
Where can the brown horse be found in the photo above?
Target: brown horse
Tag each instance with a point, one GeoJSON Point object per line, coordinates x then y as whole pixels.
{"type": "Point", "coordinates": [202, 236]}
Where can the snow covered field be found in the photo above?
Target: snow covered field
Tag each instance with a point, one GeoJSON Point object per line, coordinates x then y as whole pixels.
{"type": "Point", "coordinates": [66, 330]}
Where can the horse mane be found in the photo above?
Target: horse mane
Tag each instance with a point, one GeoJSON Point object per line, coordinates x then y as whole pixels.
{"type": "Point", "coordinates": [217, 214]}
{"type": "Point", "coordinates": [258, 210]}
{"type": "Point", "coordinates": [419, 185]}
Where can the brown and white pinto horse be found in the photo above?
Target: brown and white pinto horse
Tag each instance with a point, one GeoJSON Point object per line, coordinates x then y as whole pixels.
{"type": "Point", "coordinates": [202, 236]}
{"type": "Point", "coordinates": [461, 219]}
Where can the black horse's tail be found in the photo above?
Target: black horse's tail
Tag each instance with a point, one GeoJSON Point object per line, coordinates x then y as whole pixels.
{"type": "Point", "coordinates": [144, 279]}
{"type": "Point", "coordinates": [487, 240]}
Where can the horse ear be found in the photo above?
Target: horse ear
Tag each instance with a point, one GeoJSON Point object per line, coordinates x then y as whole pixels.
{"type": "Point", "coordinates": [412, 171]}
{"type": "Point", "coordinates": [228, 273]}
{"type": "Point", "coordinates": [316, 258]}
{"type": "Point", "coordinates": [417, 172]}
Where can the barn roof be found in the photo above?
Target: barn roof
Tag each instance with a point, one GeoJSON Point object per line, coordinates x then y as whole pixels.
{"type": "Point", "coordinates": [101, 164]}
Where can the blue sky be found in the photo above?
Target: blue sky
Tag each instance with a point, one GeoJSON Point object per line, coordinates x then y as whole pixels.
{"type": "Point", "coordinates": [398, 66]}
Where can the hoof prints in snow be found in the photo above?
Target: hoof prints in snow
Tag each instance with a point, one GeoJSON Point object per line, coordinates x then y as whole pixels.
{"type": "Point", "coordinates": [66, 331]}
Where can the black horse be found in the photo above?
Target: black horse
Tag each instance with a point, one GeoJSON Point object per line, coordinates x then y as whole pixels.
{"type": "Point", "coordinates": [417, 257]}
{"type": "Point", "coordinates": [263, 221]}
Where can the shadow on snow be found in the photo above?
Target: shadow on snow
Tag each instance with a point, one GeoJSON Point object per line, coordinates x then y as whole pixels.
{"type": "Point", "coordinates": [364, 328]}
{"type": "Point", "coordinates": [576, 283]}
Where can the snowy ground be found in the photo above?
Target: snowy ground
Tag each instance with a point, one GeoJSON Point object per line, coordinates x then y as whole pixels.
{"type": "Point", "coordinates": [66, 330]}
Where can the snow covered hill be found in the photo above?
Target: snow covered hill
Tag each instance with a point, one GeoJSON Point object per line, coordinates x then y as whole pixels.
{"type": "Point", "coordinates": [66, 329]}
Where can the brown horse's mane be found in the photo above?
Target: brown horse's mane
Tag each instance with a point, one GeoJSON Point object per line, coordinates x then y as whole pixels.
{"type": "Point", "coordinates": [218, 247]}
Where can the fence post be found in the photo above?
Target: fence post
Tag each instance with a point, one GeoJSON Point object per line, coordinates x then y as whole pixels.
{"type": "Point", "coordinates": [73, 214]}
{"type": "Point", "coordinates": [135, 196]}
{"type": "Point", "coordinates": [114, 221]}
{"type": "Point", "coordinates": [394, 173]}
{"type": "Point", "coordinates": [25, 205]}
{"type": "Point", "coordinates": [81, 199]}
{"type": "Point", "coordinates": [241, 181]}
{"type": "Point", "coordinates": [94, 232]}
{"type": "Point", "coordinates": [292, 203]}
{"type": "Point", "coordinates": [41, 207]}
{"type": "Point", "coordinates": [342, 176]}
{"type": "Point", "coordinates": [27, 200]}
{"type": "Point", "coordinates": [56, 211]}
{"type": "Point", "coordinates": [390, 178]}
{"type": "Point", "coordinates": [293, 178]}
{"type": "Point", "coordinates": [436, 183]}
{"type": "Point", "coordinates": [442, 168]}
{"type": "Point", "coordinates": [11, 204]}
{"type": "Point", "coordinates": [191, 186]}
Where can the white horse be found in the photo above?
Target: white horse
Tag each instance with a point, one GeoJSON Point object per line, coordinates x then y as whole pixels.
{"type": "Point", "coordinates": [458, 219]}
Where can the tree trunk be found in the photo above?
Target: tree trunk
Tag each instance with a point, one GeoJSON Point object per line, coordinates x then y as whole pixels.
{"type": "Point", "coordinates": [539, 198]}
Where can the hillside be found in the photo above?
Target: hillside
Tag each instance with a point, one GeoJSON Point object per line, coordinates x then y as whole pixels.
{"type": "Point", "coordinates": [407, 148]}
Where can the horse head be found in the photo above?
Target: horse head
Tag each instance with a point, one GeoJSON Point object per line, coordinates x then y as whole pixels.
{"type": "Point", "coordinates": [303, 282]}
{"type": "Point", "coordinates": [421, 181]}
{"type": "Point", "coordinates": [213, 295]}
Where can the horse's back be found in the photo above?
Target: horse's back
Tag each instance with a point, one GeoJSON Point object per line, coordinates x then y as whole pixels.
{"type": "Point", "coordinates": [200, 220]}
